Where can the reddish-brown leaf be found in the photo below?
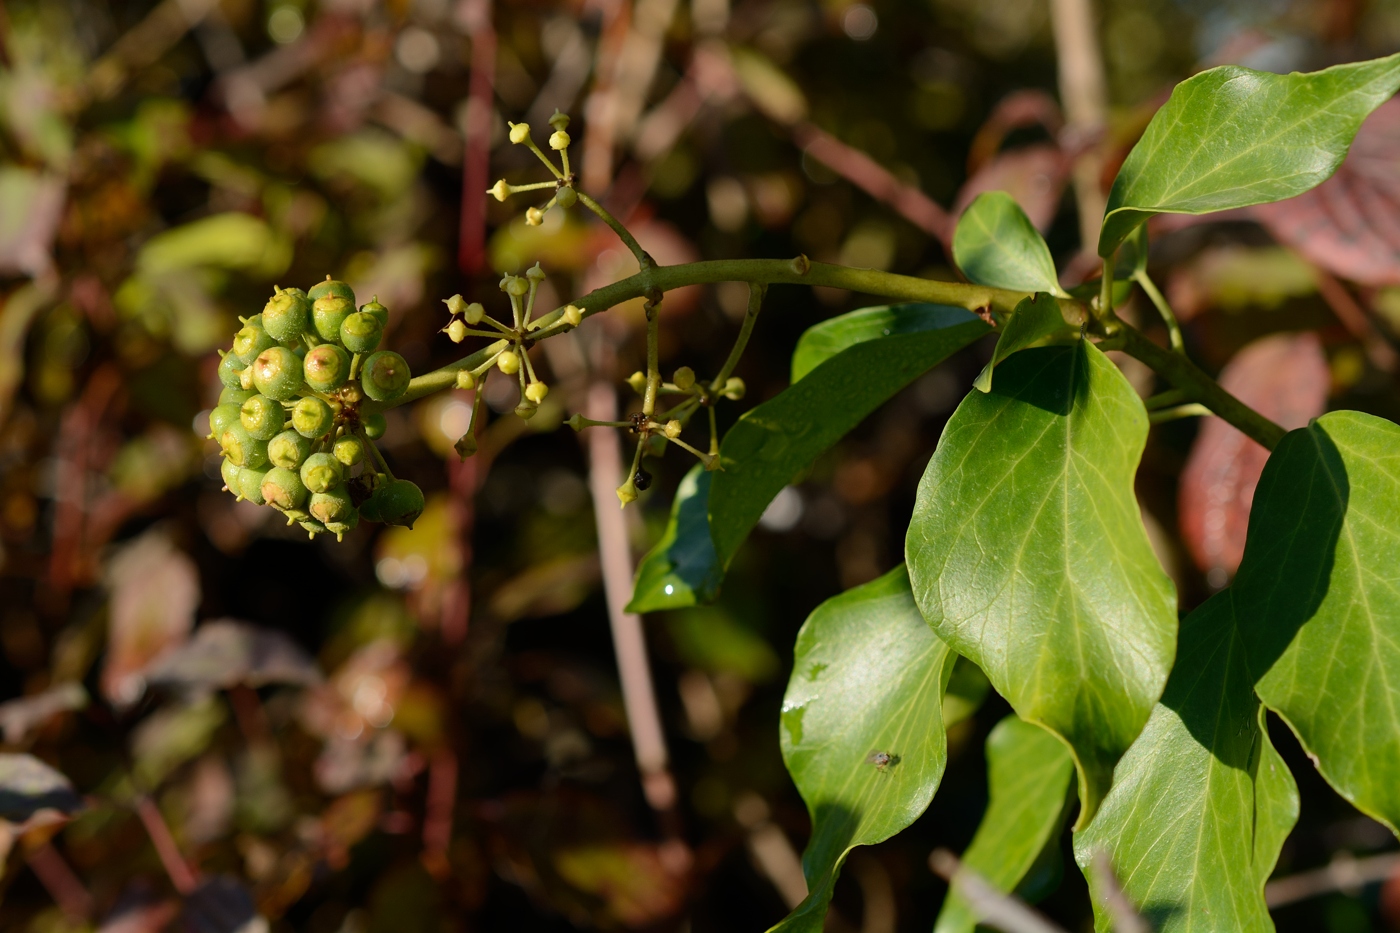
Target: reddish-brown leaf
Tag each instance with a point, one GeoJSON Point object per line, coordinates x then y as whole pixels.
{"type": "Point", "coordinates": [1284, 377]}
{"type": "Point", "coordinates": [1034, 175]}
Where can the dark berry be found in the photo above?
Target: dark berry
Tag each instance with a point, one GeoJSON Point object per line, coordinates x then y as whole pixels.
{"type": "Point", "coordinates": [642, 480]}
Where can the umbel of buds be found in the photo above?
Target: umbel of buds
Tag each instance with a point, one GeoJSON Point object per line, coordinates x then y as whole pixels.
{"type": "Point", "coordinates": [289, 422]}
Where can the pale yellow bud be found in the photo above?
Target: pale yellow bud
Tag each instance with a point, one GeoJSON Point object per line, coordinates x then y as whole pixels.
{"type": "Point", "coordinates": [517, 286]}
{"type": "Point", "coordinates": [626, 493]}
{"type": "Point", "coordinates": [455, 305]}
{"type": "Point", "coordinates": [684, 378]}
{"type": "Point", "coordinates": [573, 315]}
{"type": "Point", "coordinates": [638, 382]}
{"type": "Point", "coordinates": [536, 391]}
{"type": "Point", "coordinates": [559, 140]}
{"type": "Point", "coordinates": [500, 190]}
{"type": "Point", "coordinates": [465, 379]}
{"type": "Point", "coordinates": [535, 273]}
{"type": "Point", "coordinates": [457, 331]}
{"type": "Point", "coordinates": [734, 388]}
{"type": "Point", "coordinates": [673, 429]}
{"type": "Point", "coordinates": [534, 216]}
{"type": "Point", "coordinates": [474, 312]}
{"type": "Point", "coordinates": [519, 132]}
{"type": "Point", "coordinates": [508, 362]}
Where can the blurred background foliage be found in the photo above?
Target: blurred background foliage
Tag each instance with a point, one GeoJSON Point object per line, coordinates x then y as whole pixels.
{"type": "Point", "coordinates": [423, 730]}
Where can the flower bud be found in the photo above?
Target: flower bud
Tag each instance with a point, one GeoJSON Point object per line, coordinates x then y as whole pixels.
{"type": "Point", "coordinates": [242, 449]}
{"type": "Point", "coordinates": [349, 450]}
{"type": "Point", "coordinates": [250, 485]}
{"type": "Point", "coordinates": [535, 273]}
{"type": "Point", "coordinates": [229, 471]}
{"type": "Point", "coordinates": [283, 489]}
{"type": "Point", "coordinates": [526, 409]}
{"type": "Point", "coordinates": [326, 367]}
{"type": "Point", "coordinates": [519, 132]}
{"type": "Point", "coordinates": [312, 417]}
{"type": "Point", "coordinates": [536, 391]}
{"type": "Point", "coordinates": [559, 140]}
{"type": "Point", "coordinates": [627, 492]}
{"type": "Point", "coordinates": [374, 426]}
{"type": "Point", "coordinates": [333, 505]}
{"type": "Point", "coordinates": [399, 503]}
{"type": "Point", "coordinates": [287, 315]}
{"type": "Point", "coordinates": [236, 397]}
{"type": "Point", "coordinates": [455, 305]}
{"type": "Point", "coordinates": [457, 331]}
{"type": "Point", "coordinates": [289, 450]}
{"type": "Point", "coordinates": [386, 376]}
{"type": "Point", "coordinates": [560, 121]}
{"type": "Point", "coordinates": [516, 286]}
{"type": "Point", "coordinates": [466, 445]}
{"type": "Point", "coordinates": [277, 373]}
{"type": "Point", "coordinates": [534, 216]}
{"type": "Point", "coordinates": [474, 313]}
{"type": "Point", "coordinates": [250, 341]}
{"type": "Point", "coordinates": [566, 197]}
{"type": "Point", "coordinates": [229, 368]}
{"type": "Point", "coordinates": [333, 287]}
{"type": "Point", "coordinates": [378, 310]}
{"type": "Point", "coordinates": [573, 315]}
{"type": "Point", "coordinates": [328, 313]}
{"type": "Point", "coordinates": [638, 382]}
{"type": "Point", "coordinates": [576, 421]}
{"type": "Point", "coordinates": [672, 429]}
{"type": "Point", "coordinates": [733, 389]}
{"type": "Point", "coordinates": [684, 378]}
{"type": "Point", "coordinates": [508, 362]}
{"type": "Point", "coordinates": [500, 190]}
{"type": "Point", "coordinates": [465, 379]}
{"type": "Point", "coordinates": [321, 472]}
{"type": "Point", "coordinates": [262, 417]}
{"type": "Point", "coordinates": [221, 417]}
{"type": "Point", "coordinates": [361, 332]}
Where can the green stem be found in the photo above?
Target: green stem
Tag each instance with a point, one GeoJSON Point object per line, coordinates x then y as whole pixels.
{"type": "Point", "coordinates": [438, 379]}
{"type": "Point", "coordinates": [1199, 387]}
{"type": "Point", "coordinates": [1193, 410]}
{"type": "Point", "coordinates": [378, 457]}
{"type": "Point", "coordinates": [653, 358]}
{"type": "Point", "coordinates": [1164, 399]}
{"type": "Point", "coordinates": [1164, 309]}
{"type": "Point", "coordinates": [643, 259]}
{"type": "Point", "coordinates": [756, 293]}
{"type": "Point", "coordinates": [1106, 291]}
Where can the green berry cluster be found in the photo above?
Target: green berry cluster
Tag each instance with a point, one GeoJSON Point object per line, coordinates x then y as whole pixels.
{"type": "Point", "coordinates": [289, 421]}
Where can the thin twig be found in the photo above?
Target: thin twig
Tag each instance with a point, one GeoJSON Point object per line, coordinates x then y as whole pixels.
{"type": "Point", "coordinates": [58, 878]}
{"type": "Point", "coordinates": [1082, 91]}
{"type": "Point", "coordinates": [181, 874]}
{"type": "Point", "coordinates": [471, 248]}
{"type": "Point", "coordinates": [1159, 301]}
{"type": "Point", "coordinates": [1344, 873]}
{"type": "Point", "coordinates": [993, 908]}
{"type": "Point", "coordinates": [1125, 917]}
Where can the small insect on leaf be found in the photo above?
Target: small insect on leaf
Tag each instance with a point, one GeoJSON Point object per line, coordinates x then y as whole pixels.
{"type": "Point", "coordinates": [882, 761]}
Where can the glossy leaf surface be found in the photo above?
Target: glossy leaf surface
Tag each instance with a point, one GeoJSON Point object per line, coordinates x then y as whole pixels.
{"type": "Point", "coordinates": [821, 342]}
{"type": "Point", "coordinates": [1028, 775]}
{"type": "Point", "coordinates": [1035, 319]}
{"type": "Point", "coordinates": [996, 244]}
{"type": "Point", "coordinates": [1318, 597]}
{"type": "Point", "coordinates": [774, 441]}
{"type": "Point", "coordinates": [683, 569]}
{"type": "Point", "coordinates": [868, 679]}
{"type": "Point", "coordinates": [1202, 802]}
{"type": "Point", "coordinates": [1233, 137]}
{"type": "Point", "coordinates": [1028, 553]}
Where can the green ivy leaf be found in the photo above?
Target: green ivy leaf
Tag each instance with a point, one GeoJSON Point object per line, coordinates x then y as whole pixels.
{"type": "Point", "coordinates": [868, 678]}
{"type": "Point", "coordinates": [996, 244]}
{"type": "Point", "coordinates": [1029, 556]}
{"type": "Point", "coordinates": [1231, 137]}
{"type": "Point", "coordinates": [1202, 802]}
{"type": "Point", "coordinates": [1318, 596]}
{"type": "Point", "coordinates": [1035, 319]}
{"type": "Point", "coordinates": [774, 441]}
{"type": "Point", "coordinates": [1028, 775]}
{"type": "Point", "coordinates": [821, 342]}
{"type": "Point", "coordinates": [682, 570]}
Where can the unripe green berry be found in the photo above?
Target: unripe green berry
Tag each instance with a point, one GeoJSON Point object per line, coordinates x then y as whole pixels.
{"type": "Point", "coordinates": [328, 313]}
{"type": "Point", "coordinates": [277, 373]}
{"type": "Point", "coordinates": [346, 524]}
{"type": "Point", "coordinates": [527, 409]}
{"type": "Point", "coordinates": [287, 315]}
{"type": "Point", "coordinates": [361, 332]}
{"type": "Point", "coordinates": [333, 505]}
{"type": "Point", "coordinates": [399, 503]}
{"type": "Point", "coordinates": [242, 448]}
{"type": "Point", "coordinates": [288, 450]}
{"type": "Point", "coordinates": [283, 489]}
{"type": "Point", "coordinates": [229, 368]}
{"type": "Point", "coordinates": [250, 485]}
{"type": "Point", "coordinates": [312, 528]}
{"type": "Point", "coordinates": [566, 197]}
{"type": "Point", "coordinates": [508, 362]}
{"type": "Point", "coordinates": [311, 417]}
{"type": "Point", "coordinates": [536, 391]}
{"type": "Point", "coordinates": [378, 310]}
{"type": "Point", "coordinates": [457, 331]}
{"type": "Point", "coordinates": [326, 367]}
{"type": "Point", "coordinates": [331, 287]}
{"type": "Point", "coordinates": [374, 425]}
{"type": "Point", "coordinates": [262, 416]}
{"type": "Point", "coordinates": [229, 471]}
{"type": "Point", "coordinates": [734, 388]}
{"type": "Point", "coordinates": [349, 450]}
{"type": "Point", "coordinates": [251, 340]}
{"type": "Point", "coordinates": [221, 417]}
{"type": "Point", "coordinates": [369, 509]}
{"type": "Point", "coordinates": [386, 376]}
{"type": "Point", "coordinates": [465, 379]}
{"type": "Point", "coordinates": [235, 397]}
{"type": "Point", "coordinates": [559, 140]}
{"type": "Point", "coordinates": [684, 378]}
{"type": "Point", "coordinates": [321, 472]}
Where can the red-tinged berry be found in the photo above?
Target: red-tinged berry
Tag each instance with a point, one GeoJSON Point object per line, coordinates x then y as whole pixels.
{"type": "Point", "coordinates": [282, 489]}
{"type": "Point", "coordinates": [333, 505]}
{"type": "Point", "coordinates": [287, 315]}
{"type": "Point", "coordinates": [326, 367]}
{"type": "Point", "coordinates": [277, 373]}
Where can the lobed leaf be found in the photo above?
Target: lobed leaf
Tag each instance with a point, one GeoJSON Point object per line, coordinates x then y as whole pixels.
{"type": "Point", "coordinates": [1233, 137]}
{"type": "Point", "coordinates": [774, 441]}
{"type": "Point", "coordinates": [1202, 802]}
{"type": "Point", "coordinates": [996, 244]}
{"type": "Point", "coordinates": [868, 678]}
{"type": "Point", "coordinates": [1028, 553]}
{"type": "Point", "coordinates": [683, 569]}
{"type": "Point", "coordinates": [1318, 598]}
{"type": "Point", "coordinates": [1028, 776]}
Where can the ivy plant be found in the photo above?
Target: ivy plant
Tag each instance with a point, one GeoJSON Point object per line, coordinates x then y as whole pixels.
{"type": "Point", "coordinates": [1026, 553]}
